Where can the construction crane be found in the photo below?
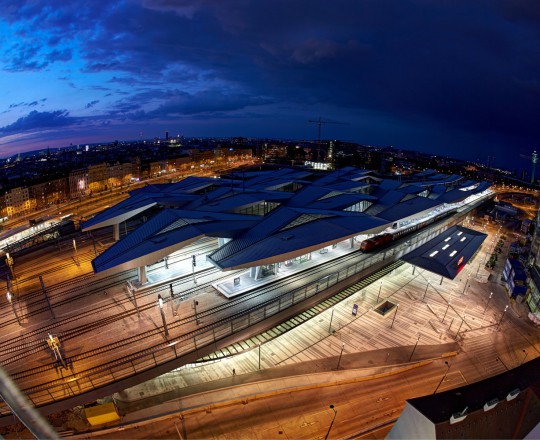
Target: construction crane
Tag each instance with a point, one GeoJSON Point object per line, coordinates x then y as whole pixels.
{"type": "Point", "coordinates": [319, 122]}
{"type": "Point", "coordinates": [534, 160]}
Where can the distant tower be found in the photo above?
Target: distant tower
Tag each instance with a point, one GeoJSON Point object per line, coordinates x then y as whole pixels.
{"type": "Point", "coordinates": [166, 135]}
{"type": "Point", "coordinates": [534, 160]}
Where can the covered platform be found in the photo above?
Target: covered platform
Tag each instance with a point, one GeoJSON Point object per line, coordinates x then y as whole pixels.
{"type": "Point", "coordinates": [448, 253]}
{"type": "Point", "coordinates": [245, 281]}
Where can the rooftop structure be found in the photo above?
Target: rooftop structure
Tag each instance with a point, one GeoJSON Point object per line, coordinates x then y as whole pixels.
{"type": "Point", "coordinates": [261, 218]}
{"type": "Point", "coordinates": [503, 406]}
{"type": "Point", "coordinates": [448, 253]}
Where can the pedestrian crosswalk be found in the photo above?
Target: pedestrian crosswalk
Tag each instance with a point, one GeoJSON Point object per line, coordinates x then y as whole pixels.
{"type": "Point", "coordinates": [485, 357]}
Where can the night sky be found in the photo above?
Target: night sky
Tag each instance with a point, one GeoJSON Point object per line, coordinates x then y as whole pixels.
{"type": "Point", "coordinates": [456, 78]}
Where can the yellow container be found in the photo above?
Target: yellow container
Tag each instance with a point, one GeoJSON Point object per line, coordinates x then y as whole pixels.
{"type": "Point", "coordinates": [100, 414]}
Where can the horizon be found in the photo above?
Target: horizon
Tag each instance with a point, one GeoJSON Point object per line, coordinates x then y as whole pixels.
{"type": "Point", "coordinates": [36, 151]}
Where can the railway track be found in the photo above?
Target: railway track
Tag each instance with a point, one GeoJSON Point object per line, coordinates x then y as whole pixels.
{"type": "Point", "coordinates": [216, 314]}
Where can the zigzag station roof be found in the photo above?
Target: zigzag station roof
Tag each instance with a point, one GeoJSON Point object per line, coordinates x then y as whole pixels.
{"type": "Point", "coordinates": [447, 253]}
{"type": "Point", "coordinates": [269, 216]}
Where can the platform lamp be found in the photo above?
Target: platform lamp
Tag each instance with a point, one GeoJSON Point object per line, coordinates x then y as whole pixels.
{"type": "Point", "coordinates": [160, 304]}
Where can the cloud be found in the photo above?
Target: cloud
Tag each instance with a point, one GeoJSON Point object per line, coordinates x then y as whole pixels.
{"type": "Point", "coordinates": [91, 104]}
{"type": "Point", "coordinates": [314, 50]}
{"type": "Point", "coordinates": [39, 120]}
{"type": "Point", "coordinates": [461, 71]}
{"type": "Point", "coordinates": [24, 104]}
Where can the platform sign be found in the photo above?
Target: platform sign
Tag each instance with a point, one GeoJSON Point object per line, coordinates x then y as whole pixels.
{"type": "Point", "coordinates": [355, 309]}
{"type": "Point", "coordinates": [237, 281]}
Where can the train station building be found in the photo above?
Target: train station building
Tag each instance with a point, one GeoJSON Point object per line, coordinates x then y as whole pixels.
{"type": "Point", "coordinates": [265, 221]}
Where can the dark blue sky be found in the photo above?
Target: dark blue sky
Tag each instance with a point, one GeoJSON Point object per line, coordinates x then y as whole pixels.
{"type": "Point", "coordinates": [457, 78]}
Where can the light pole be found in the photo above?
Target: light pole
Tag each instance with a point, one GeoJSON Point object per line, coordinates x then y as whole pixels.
{"type": "Point", "coordinates": [334, 418]}
{"type": "Point", "coordinates": [340, 354]}
{"type": "Point", "coordinates": [466, 282]}
{"type": "Point", "coordinates": [193, 264]}
{"type": "Point", "coordinates": [425, 291]}
{"type": "Point", "coordinates": [502, 317]}
{"type": "Point", "coordinates": [379, 294]}
{"type": "Point", "coordinates": [9, 297]}
{"type": "Point", "coordinates": [9, 262]}
{"type": "Point", "coordinates": [54, 345]}
{"type": "Point", "coordinates": [394, 318]}
{"type": "Point", "coordinates": [445, 373]}
{"type": "Point", "coordinates": [524, 357]}
{"type": "Point", "coordinates": [195, 304]}
{"type": "Point", "coordinates": [160, 303]}
{"type": "Point", "coordinates": [75, 252]}
{"type": "Point", "coordinates": [446, 311]}
{"type": "Point", "coordinates": [331, 317]}
{"type": "Point", "coordinates": [462, 321]}
{"type": "Point", "coordinates": [259, 356]}
{"type": "Point", "coordinates": [132, 290]}
{"type": "Point", "coordinates": [414, 348]}
{"type": "Point", "coordinates": [489, 299]}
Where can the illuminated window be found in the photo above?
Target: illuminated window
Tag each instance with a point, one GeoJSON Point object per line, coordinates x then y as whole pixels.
{"type": "Point", "coordinates": [460, 232]}
{"type": "Point", "coordinates": [433, 253]}
{"type": "Point", "coordinates": [453, 253]}
{"type": "Point", "coordinates": [445, 246]}
{"type": "Point", "coordinates": [463, 239]}
{"type": "Point", "coordinates": [446, 239]}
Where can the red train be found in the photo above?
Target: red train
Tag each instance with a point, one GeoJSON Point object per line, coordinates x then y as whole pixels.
{"type": "Point", "coordinates": [375, 242]}
{"type": "Point", "coordinates": [382, 239]}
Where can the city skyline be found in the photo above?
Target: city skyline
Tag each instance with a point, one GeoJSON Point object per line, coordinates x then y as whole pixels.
{"type": "Point", "coordinates": [456, 79]}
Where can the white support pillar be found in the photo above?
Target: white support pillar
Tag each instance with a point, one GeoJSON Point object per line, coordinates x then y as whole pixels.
{"type": "Point", "coordinates": [141, 272]}
{"type": "Point", "coordinates": [252, 272]}
{"type": "Point", "coordinates": [116, 231]}
{"type": "Point", "coordinates": [257, 272]}
{"type": "Point", "coordinates": [352, 242]}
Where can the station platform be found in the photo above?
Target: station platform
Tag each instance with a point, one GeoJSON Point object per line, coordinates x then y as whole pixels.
{"type": "Point", "coordinates": [243, 282]}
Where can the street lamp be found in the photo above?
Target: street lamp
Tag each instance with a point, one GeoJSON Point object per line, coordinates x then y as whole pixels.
{"type": "Point", "coordinates": [379, 294]}
{"type": "Point", "coordinates": [466, 282]}
{"type": "Point", "coordinates": [75, 251]}
{"type": "Point", "coordinates": [259, 356]}
{"type": "Point", "coordinates": [160, 303]}
{"type": "Point", "coordinates": [9, 262]}
{"type": "Point", "coordinates": [446, 311]}
{"type": "Point", "coordinates": [195, 304]}
{"type": "Point", "coordinates": [489, 299]}
{"type": "Point", "coordinates": [334, 418]}
{"type": "Point", "coordinates": [340, 354]}
{"type": "Point", "coordinates": [502, 317]}
{"type": "Point", "coordinates": [331, 317]}
{"type": "Point", "coordinates": [9, 297]}
{"type": "Point", "coordinates": [442, 380]}
{"type": "Point", "coordinates": [414, 348]}
{"type": "Point", "coordinates": [462, 321]}
{"type": "Point", "coordinates": [394, 318]}
{"type": "Point", "coordinates": [425, 291]}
